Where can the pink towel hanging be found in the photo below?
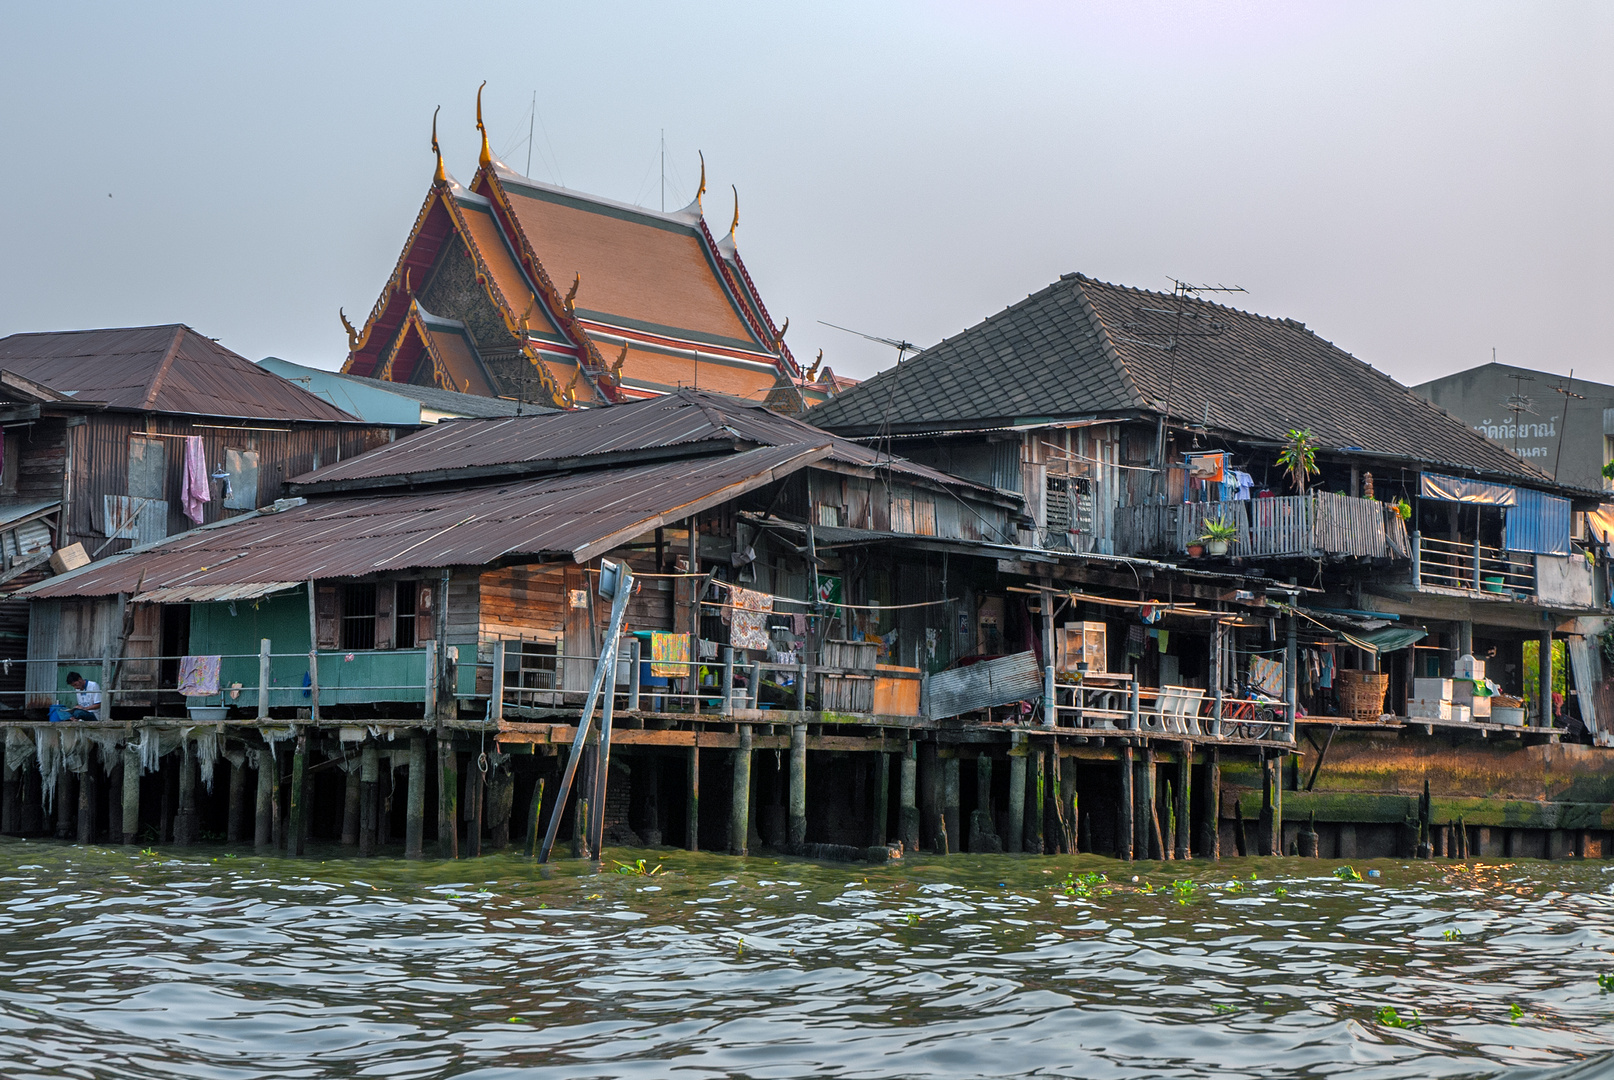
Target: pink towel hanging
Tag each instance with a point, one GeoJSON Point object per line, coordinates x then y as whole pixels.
{"type": "Point", "coordinates": [196, 490]}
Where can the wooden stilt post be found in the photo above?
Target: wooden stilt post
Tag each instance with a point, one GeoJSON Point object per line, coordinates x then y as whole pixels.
{"type": "Point", "coordinates": [238, 801]}
{"type": "Point", "coordinates": [475, 791]}
{"type": "Point", "coordinates": [11, 801]}
{"type": "Point", "coordinates": [313, 672]}
{"type": "Point", "coordinates": [1157, 846]}
{"type": "Point", "coordinates": [692, 808]}
{"type": "Point", "coordinates": [931, 826]}
{"type": "Point", "coordinates": [1185, 832]}
{"type": "Point", "coordinates": [740, 806]}
{"type": "Point", "coordinates": [352, 807]}
{"type": "Point", "coordinates": [66, 804]}
{"type": "Point", "coordinates": [186, 826]}
{"type": "Point", "coordinates": [295, 841]}
{"type": "Point", "coordinates": [415, 806]}
{"type": "Point", "coordinates": [263, 680]}
{"type": "Point", "coordinates": [1126, 829]}
{"type": "Point", "coordinates": [448, 796]}
{"type": "Point", "coordinates": [798, 787]}
{"type": "Point", "coordinates": [950, 800]}
{"type": "Point", "coordinates": [1036, 801]}
{"type": "Point", "coordinates": [1070, 806]}
{"type": "Point", "coordinates": [500, 798]}
{"type": "Point", "coordinates": [983, 825]}
{"type": "Point", "coordinates": [1015, 841]}
{"type": "Point", "coordinates": [369, 801]}
{"type": "Point", "coordinates": [264, 805]}
{"type": "Point", "coordinates": [908, 798]}
{"type": "Point", "coordinates": [86, 802]}
{"type": "Point", "coordinates": [882, 797]}
{"type": "Point", "coordinates": [535, 818]}
{"type": "Point", "coordinates": [1211, 826]}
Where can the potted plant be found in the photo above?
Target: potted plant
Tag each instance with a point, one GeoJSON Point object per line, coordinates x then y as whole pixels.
{"type": "Point", "coordinates": [1218, 534]}
{"type": "Point", "coordinates": [1195, 549]}
{"type": "Point", "coordinates": [1299, 458]}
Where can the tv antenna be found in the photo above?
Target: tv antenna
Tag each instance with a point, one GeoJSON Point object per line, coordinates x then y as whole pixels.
{"type": "Point", "coordinates": [1564, 422]}
{"type": "Point", "coordinates": [1182, 291]}
{"type": "Point", "coordinates": [1518, 402]}
{"type": "Point", "coordinates": [902, 347]}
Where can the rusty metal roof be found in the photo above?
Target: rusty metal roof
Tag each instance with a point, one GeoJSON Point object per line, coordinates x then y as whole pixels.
{"type": "Point", "coordinates": [576, 516]}
{"type": "Point", "coordinates": [165, 369]}
{"type": "Point", "coordinates": [680, 424]}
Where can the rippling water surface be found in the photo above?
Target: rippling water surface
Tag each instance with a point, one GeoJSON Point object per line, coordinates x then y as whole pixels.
{"type": "Point", "coordinates": [209, 964]}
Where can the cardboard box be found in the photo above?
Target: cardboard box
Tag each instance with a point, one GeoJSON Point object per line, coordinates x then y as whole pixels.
{"type": "Point", "coordinates": [1432, 689]}
{"type": "Point", "coordinates": [1461, 714]}
{"type": "Point", "coordinates": [68, 558]}
{"type": "Point", "coordinates": [1467, 667]}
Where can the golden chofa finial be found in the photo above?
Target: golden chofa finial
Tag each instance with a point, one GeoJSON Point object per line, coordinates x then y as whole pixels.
{"type": "Point", "coordinates": [616, 365]}
{"type": "Point", "coordinates": [779, 338]}
{"type": "Point", "coordinates": [570, 302]}
{"type": "Point", "coordinates": [735, 224]}
{"type": "Point", "coordinates": [812, 372]}
{"type": "Point", "coordinates": [442, 174]}
{"type": "Point", "coordinates": [702, 189]}
{"type": "Point", "coordinates": [352, 334]}
{"type": "Point", "coordinates": [487, 153]}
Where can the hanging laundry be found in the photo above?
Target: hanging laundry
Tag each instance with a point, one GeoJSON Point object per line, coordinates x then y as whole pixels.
{"type": "Point", "coordinates": [195, 489]}
{"type": "Point", "coordinates": [1135, 639]}
{"type": "Point", "coordinates": [1325, 674]}
{"type": "Point", "coordinates": [669, 656]}
{"type": "Point", "coordinates": [1165, 640]}
{"type": "Point", "coordinates": [749, 629]}
{"type": "Point", "coordinates": [198, 675]}
{"type": "Point", "coordinates": [798, 624]}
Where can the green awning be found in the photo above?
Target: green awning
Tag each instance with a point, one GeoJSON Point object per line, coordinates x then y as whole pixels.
{"type": "Point", "coordinates": [1388, 639]}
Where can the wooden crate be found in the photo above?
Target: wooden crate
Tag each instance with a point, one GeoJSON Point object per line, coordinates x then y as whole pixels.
{"type": "Point", "coordinates": [896, 690]}
{"type": "Point", "coordinates": [849, 655]}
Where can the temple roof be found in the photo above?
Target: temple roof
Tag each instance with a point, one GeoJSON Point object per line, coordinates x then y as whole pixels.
{"type": "Point", "coordinates": [165, 369]}
{"type": "Point", "coordinates": [1082, 348]}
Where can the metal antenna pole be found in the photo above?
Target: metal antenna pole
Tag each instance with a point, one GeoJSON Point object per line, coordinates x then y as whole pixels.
{"type": "Point", "coordinates": [607, 663]}
{"type": "Point", "coordinates": [532, 119]}
{"type": "Point", "coordinates": [1563, 423]}
{"type": "Point", "coordinates": [663, 170]}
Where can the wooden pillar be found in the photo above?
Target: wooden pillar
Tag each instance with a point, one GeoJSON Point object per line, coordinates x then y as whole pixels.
{"type": "Point", "coordinates": [186, 826]}
{"type": "Point", "coordinates": [263, 823]}
{"type": "Point", "coordinates": [500, 800]}
{"type": "Point", "coordinates": [415, 808]}
{"type": "Point", "coordinates": [798, 787]}
{"type": "Point", "coordinates": [950, 801]}
{"type": "Point", "coordinates": [1070, 806]}
{"type": "Point", "coordinates": [448, 797]}
{"type": "Point", "coordinates": [277, 804]}
{"type": "Point", "coordinates": [1149, 807]}
{"type": "Point", "coordinates": [1036, 801]}
{"type": "Point", "coordinates": [740, 804]}
{"type": "Point", "coordinates": [86, 801]}
{"type": "Point", "coordinates": [1544, 690]}
{"type": "Point", "coordinates": [385, 789]}
{"type": "Point", "coordinates": [475, 787]}
{"type": "Point", "coordinates": [296, 839]}
{"type": "Point", "coordinates": [238, 800]}
{"type": "Point", "coordinates": [983, 825]}
{"type": "Point", "coordinates": [1015, 841]}
{"type": "Point", "coordinates": [929, 778]}
{"type": "Point", "coordinates": [1185, 829]}
{"type": "Point", "coordinates": [369, 802]}
{"type": "Point", "coordinates": [66, 803]}
{"type": "Point", "coordinates": [908, 798]}
{"type": "Point", "coordinates": [1264, 832]}
{"type": "Point", "coordinates": [692, 809]}
{"type": "Point", "coordinates": [1210, 844]}
{"type": "Point", "coordinates": [1126, 829]}
{"type": "Point", "coordinates": [11, 801]}
{"type": "Point", "coordinates": [352, 798]}
{"type": "Point", "coordinates": [882, 798]}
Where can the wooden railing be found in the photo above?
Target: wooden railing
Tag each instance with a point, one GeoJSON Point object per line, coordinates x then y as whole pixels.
{"type": "Point", "coordinates": [1299, 525]}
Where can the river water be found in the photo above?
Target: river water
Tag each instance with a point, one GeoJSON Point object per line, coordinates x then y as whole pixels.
{"type": "Point", "coordinates": [215, 964]}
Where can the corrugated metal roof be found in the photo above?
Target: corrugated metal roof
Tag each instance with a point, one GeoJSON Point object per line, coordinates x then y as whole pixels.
{"type": "Point", "coordinates": [197, 594]}
{"type": "Point", "coordinates": [682, 419]}
{"type": "Point", "coordinates": [11, 515]}
{"type": "Point", "coordinates": [577, 516]}
{"type": "Point", "coordinates": [166, 369]}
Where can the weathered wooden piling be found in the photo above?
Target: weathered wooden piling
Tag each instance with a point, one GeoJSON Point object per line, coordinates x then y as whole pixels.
{"type": "Point", "coordinates": [535, 817]}
{"type": "Point", "coordinates": [299, 796]}
{"type": "Point", "coordinates": [1016, 839]}
{"type": "Point", "coordinates": [352, 799]}
{"type": "Point", "coordinates": [264, 806]}
{"type": "Point", "coordinates": [983, 826]}
{"type": "Point", "coordinates": [929, 788]}
{"type": "Point", "coordinates": [1210, 824]}
{"type": "Point", "coordinates": [66, 804]}
{"type": "Point", "coordinates": [1184, 829]}
{"type": "Point", "coordinates": [798, 787]}
{"type": "Point", "coordinates": [475, 782]}
{"type": "Point", "coordinates": [369, 797]}
{"type": "Point", "coordinates": [86, 802]}
{"type": "Point", "coordinates": [415, 806]}
{"type": "Point", "coordinates": [950, 801]}
{"type": "Point", "coordinates": [501, 798]}
{"type": "Point", "coordinates": [882, 798]}
{"type": "Point", "coordinates": [1036, 801]}
{"type": "Point", "coordinates": [692, 809]}
{"type": "Point", "coordinates": [236, 805]}
{"type": "Point", "coordinates": [740, 804]}
{"type": "Point", "coordinates": [187, 823]}
{"type": "Point", "coordinates": [448, 794]}
{"type": "Point", "coordinates": [908, 797]}
{"type": "Point", "coordinates": [1070, 806]}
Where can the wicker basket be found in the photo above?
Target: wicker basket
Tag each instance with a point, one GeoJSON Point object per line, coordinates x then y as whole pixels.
{"type": "Point", "coordinates": [1361, 694]}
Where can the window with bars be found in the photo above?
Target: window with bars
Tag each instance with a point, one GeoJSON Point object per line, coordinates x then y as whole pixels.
{"type": "Point", "coordinates": [358, 615]}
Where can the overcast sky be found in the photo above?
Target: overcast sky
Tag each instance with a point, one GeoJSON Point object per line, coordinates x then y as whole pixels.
{"type": "Point", "coordinates": [1419, 183]}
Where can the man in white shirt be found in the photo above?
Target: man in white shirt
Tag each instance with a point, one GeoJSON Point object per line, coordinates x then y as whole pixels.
{"type": "Point", "coordinates": [89, 697]}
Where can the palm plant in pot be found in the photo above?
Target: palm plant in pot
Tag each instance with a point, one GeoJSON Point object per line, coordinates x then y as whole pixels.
{"type": "Point", "coordinates": [1218, 533]}
{"type": "Point", "coordinates": [1299, 458]}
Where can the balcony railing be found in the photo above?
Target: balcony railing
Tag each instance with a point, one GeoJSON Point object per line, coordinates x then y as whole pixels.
{"type": "Point", "coordinates": [1474, 567]}
{"type": "Point", "coordinates": [1302, 526]}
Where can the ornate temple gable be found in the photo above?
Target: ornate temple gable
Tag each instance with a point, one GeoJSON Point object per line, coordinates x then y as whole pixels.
{"type": "Point", "coordinates": [433, 225]}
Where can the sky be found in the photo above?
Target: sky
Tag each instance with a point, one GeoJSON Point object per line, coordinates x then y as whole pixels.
{"type": "Point", "coordinates": [1419, 183]}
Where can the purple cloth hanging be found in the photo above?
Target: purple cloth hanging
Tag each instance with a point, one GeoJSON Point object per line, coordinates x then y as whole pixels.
{"type": "Point", "coordinates": [196, 489]}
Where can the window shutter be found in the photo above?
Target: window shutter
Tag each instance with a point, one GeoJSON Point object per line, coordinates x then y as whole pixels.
{"type": "Point", "coordinates": [383, 615]}
{"type": "Point", "coordinates": [325, 615]}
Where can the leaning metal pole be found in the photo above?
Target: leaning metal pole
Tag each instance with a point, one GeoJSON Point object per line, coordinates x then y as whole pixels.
{"type": "Point", "coordinates": [623, 587]}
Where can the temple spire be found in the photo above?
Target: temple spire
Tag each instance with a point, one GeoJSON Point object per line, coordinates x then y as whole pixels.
{"type": "Point", "coordinates": [702, 189]}
{"type": "Point", "coordinates": [735, 224]}
{"type": "Point", "coordinates": [487, 152]}
{"type": "Point", "coordinates": [442, 174]}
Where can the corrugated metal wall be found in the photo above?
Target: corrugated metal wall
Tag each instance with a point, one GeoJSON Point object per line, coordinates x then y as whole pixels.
{"type": "Point", "coordinates": [1538, 522]}
{"type": "Point", "coordinates": [100, 465]}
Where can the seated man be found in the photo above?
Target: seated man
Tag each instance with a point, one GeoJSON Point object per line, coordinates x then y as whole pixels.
{"type": "Point", "coordinates": [89, 697]}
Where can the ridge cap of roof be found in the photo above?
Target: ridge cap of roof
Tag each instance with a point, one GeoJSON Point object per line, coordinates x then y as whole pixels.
{"type": "Point", "coordinates": [1107, 345]}
{"type": "Point", "coordinates": [503, 173]}
{"type": "Point", "coordinates": [162, 368]}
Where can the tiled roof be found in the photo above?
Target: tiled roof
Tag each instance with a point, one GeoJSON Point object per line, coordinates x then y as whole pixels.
{"type": "Point", "coordinates": [165, 369]}
{"type": "Point", "coordinates": [1082, 348]}
{"type": "Point", "coordinates": [447, 401]}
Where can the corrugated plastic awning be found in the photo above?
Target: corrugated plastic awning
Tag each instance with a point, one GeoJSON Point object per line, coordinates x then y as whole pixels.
{"type": "Point", "coordinates": [1458, 489]}
{"type": "Point", "coordinates": [1390, 639]}
{"type": "Point", "coordinates": [201, 594]}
